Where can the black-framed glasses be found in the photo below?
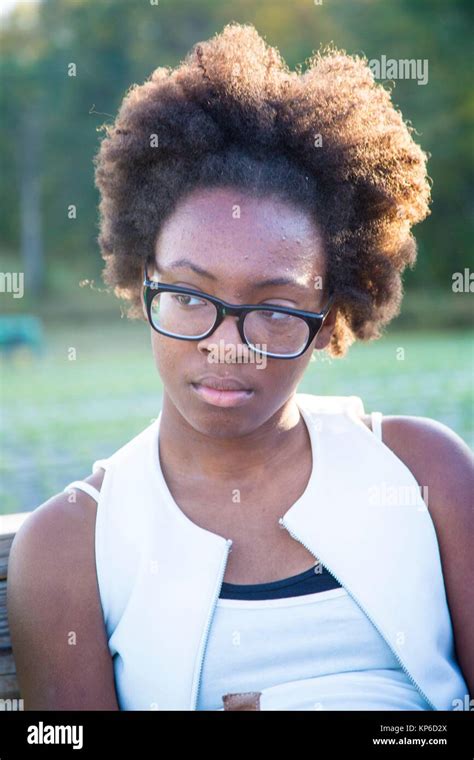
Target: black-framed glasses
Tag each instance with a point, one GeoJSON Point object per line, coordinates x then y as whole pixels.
{"type": "Point", "coordinates": [269, 330]}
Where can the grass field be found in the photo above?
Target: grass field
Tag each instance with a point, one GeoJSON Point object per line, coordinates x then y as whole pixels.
{"type": "Point", "coordinates": [59, 415]}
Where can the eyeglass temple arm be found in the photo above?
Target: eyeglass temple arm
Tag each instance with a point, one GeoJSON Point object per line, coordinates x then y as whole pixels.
{"type": "Point", "coordinates": [330, 302]}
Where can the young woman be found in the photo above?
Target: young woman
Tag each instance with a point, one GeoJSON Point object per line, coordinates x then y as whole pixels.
{"type": "Point", "coordinates": [254, 547]}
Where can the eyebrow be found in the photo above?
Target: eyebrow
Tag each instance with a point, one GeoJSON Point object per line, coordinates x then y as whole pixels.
{"type": "Point", "coordinates": [187, 264]}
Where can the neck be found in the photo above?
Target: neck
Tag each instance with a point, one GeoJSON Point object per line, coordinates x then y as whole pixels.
{"type": "Point", "coordinates": [189, 454]}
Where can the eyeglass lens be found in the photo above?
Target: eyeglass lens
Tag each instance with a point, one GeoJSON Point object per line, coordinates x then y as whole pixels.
{"type": "Point", "coordinates": [188, 316]}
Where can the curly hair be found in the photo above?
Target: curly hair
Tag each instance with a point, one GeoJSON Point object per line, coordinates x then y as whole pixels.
{"type": "Point", "coordinates": [232, 114]}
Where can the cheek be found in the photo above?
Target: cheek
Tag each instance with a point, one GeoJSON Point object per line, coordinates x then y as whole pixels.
{"type": "Point", "coordinates": [278, 377]}
{"type": "Point", "coordinates": [166, 353]}
{"type": "Point", "coordinates": [272, 377]}
{"type": "Point", "coordinates": [281, 377]}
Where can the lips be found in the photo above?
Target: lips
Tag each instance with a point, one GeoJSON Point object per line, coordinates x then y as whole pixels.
{"type": "Point", "coordinates": [221, 383]}
{"type": "Point", "coordinates": [219, 391]}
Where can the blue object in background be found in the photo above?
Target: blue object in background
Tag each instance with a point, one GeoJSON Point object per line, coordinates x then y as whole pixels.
{"type": "Point", "coordinates": [21, 330]}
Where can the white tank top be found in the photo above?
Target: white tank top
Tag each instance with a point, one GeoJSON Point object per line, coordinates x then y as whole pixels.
{"type": "Point", "coordinates": [177, 645]}
{"type": "Point", "coordinates": [319, 649]}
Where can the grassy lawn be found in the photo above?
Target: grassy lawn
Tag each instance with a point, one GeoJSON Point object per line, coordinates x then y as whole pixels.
{"type": "Point", "coordinates": [59, 415]}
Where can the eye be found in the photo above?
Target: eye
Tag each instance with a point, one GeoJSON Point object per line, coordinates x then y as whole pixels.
{"type": "Point", "coordinates": [184, 300]}
{"type": "Point", "coordinates": [275, 316]}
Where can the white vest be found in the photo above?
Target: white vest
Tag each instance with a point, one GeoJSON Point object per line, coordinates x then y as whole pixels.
{"type": "Point", "coordinates": [159, 573]}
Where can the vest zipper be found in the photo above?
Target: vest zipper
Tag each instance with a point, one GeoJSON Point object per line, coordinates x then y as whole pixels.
{"type": "Point", "coordinates": [197, 681]}
{"type": "Point", "coordinates": [282, 522]}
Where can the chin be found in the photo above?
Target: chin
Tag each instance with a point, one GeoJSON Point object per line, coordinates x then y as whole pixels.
{"type": "Point", "coordinates": [220, 423]}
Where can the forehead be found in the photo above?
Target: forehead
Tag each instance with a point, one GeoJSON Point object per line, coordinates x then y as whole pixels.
{"type": "Point", "coordinates": [232, 233]}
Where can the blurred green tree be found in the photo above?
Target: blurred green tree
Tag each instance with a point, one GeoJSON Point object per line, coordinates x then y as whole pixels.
{"type": "Point", "coordinates": [66, 64]}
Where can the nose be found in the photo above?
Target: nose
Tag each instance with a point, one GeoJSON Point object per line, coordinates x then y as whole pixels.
{"type": "Point", "coordinates": [227, 334]}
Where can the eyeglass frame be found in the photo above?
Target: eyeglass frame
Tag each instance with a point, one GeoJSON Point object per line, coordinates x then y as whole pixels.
{"type": "Point", "coordinates": [314, 320]}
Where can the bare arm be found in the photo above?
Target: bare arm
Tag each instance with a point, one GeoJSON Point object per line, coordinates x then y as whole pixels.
{"type": "Point", "coordinates": [443, 465]}
{"type": "Point", "coordinates": [55, 617]}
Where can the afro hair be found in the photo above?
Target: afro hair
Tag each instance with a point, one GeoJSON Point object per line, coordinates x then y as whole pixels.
{"type": "Point", "coordinates": [233, 114]}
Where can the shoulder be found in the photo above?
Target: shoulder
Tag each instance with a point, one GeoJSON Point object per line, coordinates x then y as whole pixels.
{"type": "Point", "coordinates": [443, 466]}
{"type": "Point", "coordinates": [53, 602]}
{"type": "Point", "coordinates": [57, 538]}
{"type": "Point", "coordinates": [55, 523]}
{"type": "Point", "coordinates": [440, 460]}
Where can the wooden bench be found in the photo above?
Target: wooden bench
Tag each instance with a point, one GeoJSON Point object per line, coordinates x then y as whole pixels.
{"type": "Point", "coordinates": [9, 524]}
